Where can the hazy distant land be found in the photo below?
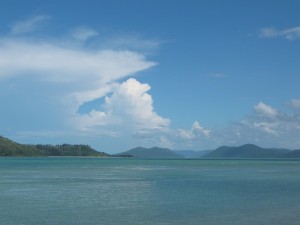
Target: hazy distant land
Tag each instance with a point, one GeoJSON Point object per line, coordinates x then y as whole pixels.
{"type": "Point", "coordinates": [224, 152]}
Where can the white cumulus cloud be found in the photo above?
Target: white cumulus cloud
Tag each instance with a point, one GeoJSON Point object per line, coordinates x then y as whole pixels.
{"type": "Point", "coordinates": [265, 110]}
{"type": "Point", "coordinates": [129, 105]}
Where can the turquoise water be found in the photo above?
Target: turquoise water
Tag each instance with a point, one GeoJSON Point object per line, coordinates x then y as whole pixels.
{"type": "Point", "coordinates": [91, 191]}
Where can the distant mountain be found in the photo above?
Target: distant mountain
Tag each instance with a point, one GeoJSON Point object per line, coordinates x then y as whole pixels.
{"type": "Point", "coordinates": [155, 152]}
{"type": "Point", "coordinates": [292, 154]}
{"type": "Point", "coordinates": [191, 153]}
{"type": "Point", "coordinates": [11, 148]}
{"type": "Point", "coordinates": [247, 151]}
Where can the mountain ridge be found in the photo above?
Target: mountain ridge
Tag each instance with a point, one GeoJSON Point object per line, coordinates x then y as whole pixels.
{"type": "Point", "coordinates": [154, 152]}
{"type": "Point", "coordinates": [248, 151]}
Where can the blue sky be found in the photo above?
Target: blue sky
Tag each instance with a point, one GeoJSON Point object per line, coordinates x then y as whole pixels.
{"type": "Point", "coordinates": [177, 74]}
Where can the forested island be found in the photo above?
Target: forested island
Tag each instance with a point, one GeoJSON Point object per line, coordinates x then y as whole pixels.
{"type": "Point", "coordinates": [11, 148]}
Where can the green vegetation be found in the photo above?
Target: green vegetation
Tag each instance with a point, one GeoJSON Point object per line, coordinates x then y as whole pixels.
{"type": "Point", "coordinates": [68, 150]}
{"type": "Point", "coordinates": [11, 148]}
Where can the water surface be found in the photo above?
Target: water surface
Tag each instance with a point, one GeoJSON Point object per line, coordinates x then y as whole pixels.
{"type": "Point", "coordinates": [91, 191]}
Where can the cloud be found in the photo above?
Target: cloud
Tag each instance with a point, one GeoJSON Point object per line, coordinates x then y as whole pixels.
{"type": "Point", "coordinates": [265, 110]}
{"type": "Point", "coordinates": [290, 33]}
{"type": "Point", "coordinates": [29, 25]}
{"type": "Point", "coordinates": [295, 103]}
{"type": "Point", "coordinates": [80, 74]}
{"type": "Point", "coordinates": [132, 101]}
{"type": "Point", "coordinates": [266, 127]}
{"type": "Point", "coordinates": [76, 75]}
{"type": "Point", "coordinates": [84, 33]}
{"type": "Point", "coordinates": [265, 119]}
{"type": "Point", "coordinates": [195, 132]}
{"type": "Point", "coordinates": [59, 64]}
{"type": "Point", "coordinates": [129, 105]}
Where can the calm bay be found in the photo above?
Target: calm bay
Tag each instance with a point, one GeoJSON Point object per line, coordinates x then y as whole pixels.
{"type": "Point", "coordinates": [113, 191]}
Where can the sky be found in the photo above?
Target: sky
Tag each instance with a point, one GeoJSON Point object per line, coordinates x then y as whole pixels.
{"type": "Point", "coordinates": [189, 75]}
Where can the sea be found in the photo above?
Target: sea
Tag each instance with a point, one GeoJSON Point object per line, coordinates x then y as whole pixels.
{"type": "Point", "coordinates": [125, 191]}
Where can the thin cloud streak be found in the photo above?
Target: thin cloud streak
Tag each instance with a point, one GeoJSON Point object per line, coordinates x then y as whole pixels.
{"type": "Point", "coordinates": [29, 25]}
{"type": "Point", "coordinates": [84, 33]}
{"type": "Point", "coordinates": [290, 33]}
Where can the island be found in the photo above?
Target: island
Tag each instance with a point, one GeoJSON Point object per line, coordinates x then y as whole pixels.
{"type": "Point", "coordinates": [11, 148]}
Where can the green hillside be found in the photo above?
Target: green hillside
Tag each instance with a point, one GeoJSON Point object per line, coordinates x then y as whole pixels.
{"type": "Point", "coordinates": [11, 148]}
{"type": "Point", "coordinates": [247, 151]}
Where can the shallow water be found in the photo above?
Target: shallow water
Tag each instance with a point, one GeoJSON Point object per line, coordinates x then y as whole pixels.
{"type": "Point", "coordinates": [91, 191]}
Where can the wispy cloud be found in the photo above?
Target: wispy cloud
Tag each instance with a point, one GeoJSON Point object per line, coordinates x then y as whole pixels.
{"type": "Point", "coordinates": [289, 33]}
{"type": "Point", "coordinates": [29, 25]}
{"type": "Point", "coordinates": [295, 103]}
{"type": "Point", "coordinates": [268, 127]}
{"type": "Point", "coordinates": [133, 42]}
{"type": "Point", "coordinates": [84, 33]}
{"type": "Point", "coordinates": [49, 61]}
